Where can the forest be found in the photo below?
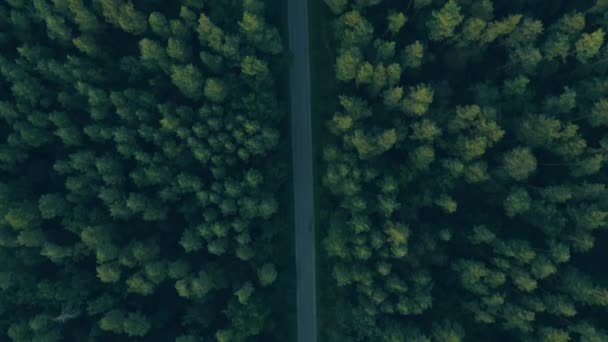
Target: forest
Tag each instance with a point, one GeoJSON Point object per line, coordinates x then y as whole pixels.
{"type": "Point", "coordinates": [143, 171]}
{"type": "Point", "coordinates": [464, 171]}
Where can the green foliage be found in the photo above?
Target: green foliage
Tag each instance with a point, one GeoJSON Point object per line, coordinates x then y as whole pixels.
{"type": "Point", "coordinates": [448, 332]}
{"type": "Point", "coordinates": [421, 3]}
{"type": "Point", "coordinates": [244, 293]}
{"type": "Point", "coordinates": [337, 6]}
{"type": "Point", "coordinates": [108, 273]}
{"type": "Point", "coordinates": [347, 65]}
{"type": "Point", "coordinates": [500, 28]}
{"type": "Point", "coordinates": [599, 113]}
{"type": "Point", "coordinates": [214, 90]}
{"type": "Point", "coordinates": [396, 20]}
{"type": "Point", "coordinates": [413, 55]}
{"type": "Point", "coordinates": [267, 274]}
{"type": "Point", "coordinates": [251, 66]}
{"type": "Point", "coordinates": [177, 49]}
{"type": "Point", "coordinates": [588, 46]}
{"type": "Point", "coordinates": [112, 321]}
{"type": "Point", "coordinates": [135, 324]}
{"type": "Point", "coordinates": [137, 139]}
{"type": "Point", "coordinates": [418, 100]}
{"type": "Point", "coordinates": [443, 23]}
{"type": "Point", "coordinates": [463, 192]}
{"type": "Point", "coordinates": [392, 97]}
{"type": "Point", "coordinates": [51, 206]}
{"type": "Point", "coordinates": [188, 79]}
{"type": "Point", "coordinates": [516, 86]}
{"type": "Point", "coordinates": [519, 163]}
{"type": "Point", "coordinates": [159, 24]}
{"type": "Point", "coordinates": [518, 202]}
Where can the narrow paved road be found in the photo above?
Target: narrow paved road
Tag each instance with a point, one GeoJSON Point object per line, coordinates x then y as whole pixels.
{"type": "Point", "coordinates": [301, 133]}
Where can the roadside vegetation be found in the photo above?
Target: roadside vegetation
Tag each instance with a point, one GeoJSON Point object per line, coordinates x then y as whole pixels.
{"type": "Point", "coordinates": [323, 85]}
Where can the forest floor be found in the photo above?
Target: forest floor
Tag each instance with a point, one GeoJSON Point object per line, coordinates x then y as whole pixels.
{"type": "Point", "coordinates": [302, 158]}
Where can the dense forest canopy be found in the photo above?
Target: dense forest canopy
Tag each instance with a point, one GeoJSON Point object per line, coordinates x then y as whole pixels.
{"type": "Point", "coordinates": [464, 178]}
{"type": "Point", "coordinates": [144, 171]}
{"type": "Point", "coordinates": [142, 160]}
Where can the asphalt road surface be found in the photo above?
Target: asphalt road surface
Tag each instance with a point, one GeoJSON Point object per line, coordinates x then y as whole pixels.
{"type": "Point", "coordinates": [301, 133]}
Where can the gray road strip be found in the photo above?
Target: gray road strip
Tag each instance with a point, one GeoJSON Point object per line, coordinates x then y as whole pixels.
{"type": "Point", "coordinates": [303, 183]}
